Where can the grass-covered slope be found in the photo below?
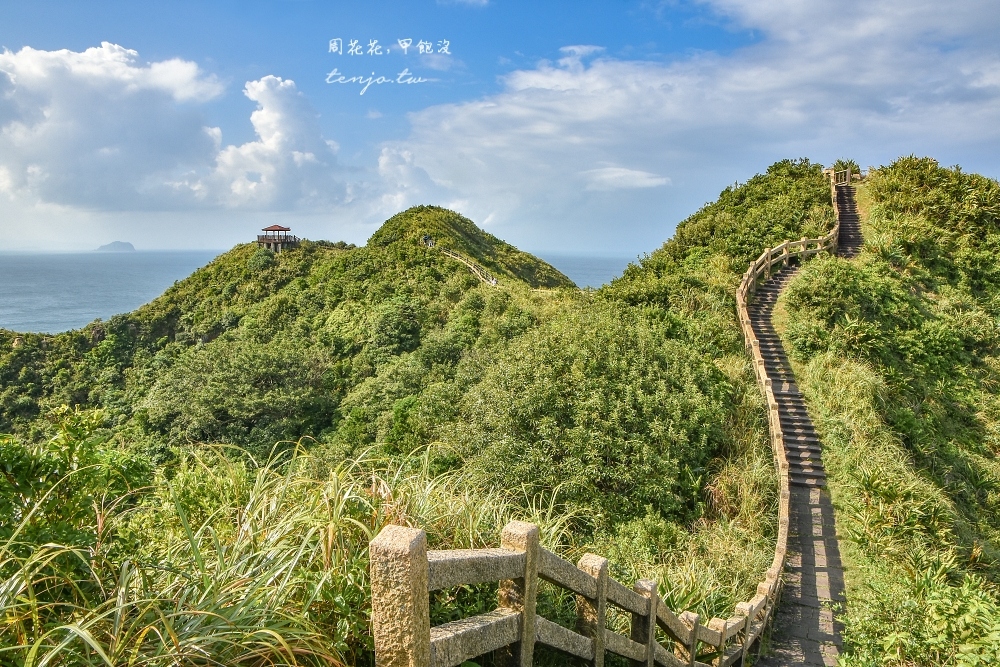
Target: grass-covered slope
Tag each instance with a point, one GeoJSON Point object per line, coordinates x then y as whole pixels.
{"type": "Point", "coordinates": [452, 231]}
{"type": "Point", "coordinates": [625, 421]}
{"type": "Point", "coordinates": [899, 358]}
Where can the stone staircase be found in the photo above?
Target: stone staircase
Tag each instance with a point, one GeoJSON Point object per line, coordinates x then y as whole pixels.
{"type": "Point", "coordinates": [805, 632]}
{"type": "Point", "coordinates": [849, 243]}
{"type": "Point", "coordinates": [805, 461]}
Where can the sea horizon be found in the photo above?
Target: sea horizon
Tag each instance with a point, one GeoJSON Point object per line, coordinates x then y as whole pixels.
{"type": "Point", "coordinates": [53, 291]}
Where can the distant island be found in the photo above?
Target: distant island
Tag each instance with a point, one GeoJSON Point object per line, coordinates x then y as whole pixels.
{"type": "Point", "coordinates": [117, 246]}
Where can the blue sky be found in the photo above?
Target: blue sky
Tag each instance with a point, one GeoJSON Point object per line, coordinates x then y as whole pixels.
{"type": "Point", "coordinates": [576, 127]}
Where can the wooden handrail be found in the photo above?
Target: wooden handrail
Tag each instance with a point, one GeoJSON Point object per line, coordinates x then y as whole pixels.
{"type": "Point", "coordinates": [404, 572]}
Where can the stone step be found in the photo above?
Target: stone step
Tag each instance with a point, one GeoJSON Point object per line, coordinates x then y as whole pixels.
{"type": "Point", "coordinates": [796, 426]}
{"type": "Point", "coordinates": [792, 433]}
{"type": "Point", "coordinates": [797, 480]}
{"type": "Point", "coordinates": [794, 417]}
{"type": "Point", "coordinates": [797, 443]}
{"type": "Point", "coordinates": [805, 473]}
{"type": "Point", "coordinates": [799, 452]}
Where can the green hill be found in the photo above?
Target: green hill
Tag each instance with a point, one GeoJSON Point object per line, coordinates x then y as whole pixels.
{"type": "Point", "coordinates": [454, 232]}
{"type": "Point", "coordinates": [279, 322]}
{"type": "Point", "coordinates": [625, 421]}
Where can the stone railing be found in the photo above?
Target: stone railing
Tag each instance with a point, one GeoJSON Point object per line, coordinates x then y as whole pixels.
{"type": "Point", "coordinates": [842, 177]}
{"type": "Point", "coordinates": [404, 573]}
{"type": "Point", "coordinates": [276, 238]}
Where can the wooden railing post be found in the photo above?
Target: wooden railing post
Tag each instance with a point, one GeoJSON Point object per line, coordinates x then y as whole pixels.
{"type": "Point", "coordinates": [767, 264]}
{"type": "Point", "coordinates": [521, 595]}
{"type": "Point", "coordinates": [401, 624]}
{"type": "Point", "coordinates": [592, 614]}
{"type": "Point", "coordinates": [644, 625]}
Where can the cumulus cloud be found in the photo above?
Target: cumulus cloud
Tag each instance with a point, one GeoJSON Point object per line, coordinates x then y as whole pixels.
{"type": "Point", "coordinates": [289, 165]}
{"type": "Point", "coordinates": [97, 128]}
{"type": "Point", "coordinates": [580, 146]}
{"type": "Point", "coordinates": [101, 130]}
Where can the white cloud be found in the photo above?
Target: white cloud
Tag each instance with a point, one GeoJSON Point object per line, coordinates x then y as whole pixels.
{"type": "Point", "coordinates": [572, 152]}
{"type": "Point", "coordinates": [99, 130]}
{"type": "Point", "coordinates": [290, 165]}
{"type": "Point", "coordinates": [619, 178]}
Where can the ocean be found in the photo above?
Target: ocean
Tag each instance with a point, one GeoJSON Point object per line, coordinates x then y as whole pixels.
{"type": "Point", "coordinates": [49, 293]}
{"type": "Point", "coordinates": [589, 271]}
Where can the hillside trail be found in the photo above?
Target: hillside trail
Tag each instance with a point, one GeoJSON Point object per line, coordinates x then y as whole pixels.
{"type": "Point", "coordinates": [805, 632]}
{"type": "Point", "coordinates": [478, 271]}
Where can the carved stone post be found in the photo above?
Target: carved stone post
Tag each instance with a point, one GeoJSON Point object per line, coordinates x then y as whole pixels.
{"type": "Point", "coordinates": [521, 594]}
{"type": "Point", "coordinates": [592, 614]}
{"type": "Point", "coordinates": [743, 608]}
{"type": "Point", "coordinates": [401, 623]}
{"type": "Point", "coordinates": [644, 625]}
{"type": "Point", "coordinates": [692, 621]}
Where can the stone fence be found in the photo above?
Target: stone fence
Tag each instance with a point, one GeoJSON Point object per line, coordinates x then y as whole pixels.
{"type": "Point", "coordinates": [842, 177]}
{"type": "Point", "coordinates": [404, 573]}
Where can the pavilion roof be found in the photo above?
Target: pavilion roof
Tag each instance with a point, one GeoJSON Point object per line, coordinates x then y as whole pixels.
{"type": "Point", "coordinates": [276, 228]}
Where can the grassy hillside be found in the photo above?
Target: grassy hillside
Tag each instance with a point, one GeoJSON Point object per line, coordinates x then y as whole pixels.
{"type": "Point", "coordinates": [898, 351]}
{"type": "Point", "coordinates": [624, 421]}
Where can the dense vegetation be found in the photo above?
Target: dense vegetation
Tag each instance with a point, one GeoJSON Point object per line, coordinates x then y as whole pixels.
{"type": "Point", "coordinates": [899, 357]}
{"type": "Point", "coordinates": [341, 388]}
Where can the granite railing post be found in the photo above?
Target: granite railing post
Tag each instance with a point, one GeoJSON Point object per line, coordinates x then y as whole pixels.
{"type": "Point", "coordinates": [644, 625]}
{"type": "Point", "coordinates": [592, 614]}
{"type": "Point", "coordinates": [692, 621]}
{"type": "Point", "coordinates": [401, 623]}
{"type": "Point", "coordinates": [521, 595]}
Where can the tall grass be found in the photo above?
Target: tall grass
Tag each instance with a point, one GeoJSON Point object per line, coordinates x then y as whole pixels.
{"type": "Point", "coordinates": [225, 562]}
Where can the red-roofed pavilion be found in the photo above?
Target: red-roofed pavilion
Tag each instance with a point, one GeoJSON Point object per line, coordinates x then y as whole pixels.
{"type": "Point", "coordinates": [277, 238]}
